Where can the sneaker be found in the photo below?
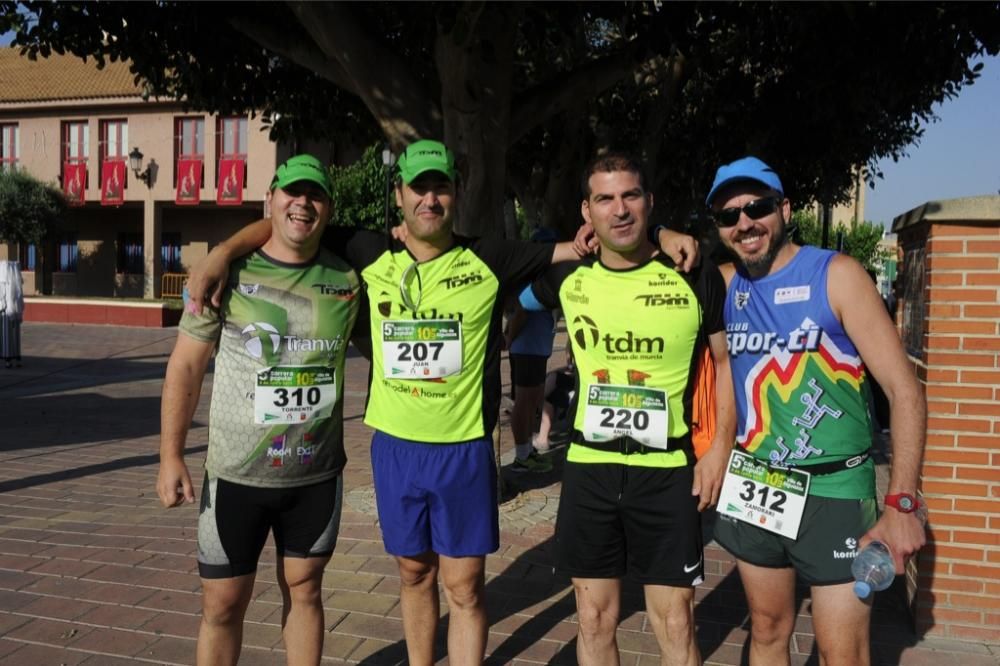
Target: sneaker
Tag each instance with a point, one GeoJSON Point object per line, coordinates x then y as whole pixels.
{"type": "Point", "coordinates": [533, 463]}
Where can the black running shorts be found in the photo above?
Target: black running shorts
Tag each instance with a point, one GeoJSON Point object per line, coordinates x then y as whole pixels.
{"type": "Point", "coordinates": [527, 369]}
{"type": "Point", "coordinates": [616, 520]}
{"type": "Point", "coordinates": [826, 545]}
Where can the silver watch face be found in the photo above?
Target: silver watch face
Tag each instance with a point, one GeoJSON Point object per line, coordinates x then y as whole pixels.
{"type": "Point", "coordinates": [905, 503]}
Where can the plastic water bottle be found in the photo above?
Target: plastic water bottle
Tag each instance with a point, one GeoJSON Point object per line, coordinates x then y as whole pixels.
{"type": "Point", "coordinates": [873, 569]}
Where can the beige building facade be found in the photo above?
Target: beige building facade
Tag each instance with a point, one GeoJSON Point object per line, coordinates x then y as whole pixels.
{"type": "Point", "coordinates": [849, 213]}
{"type": "Point", "coordinates": [61, 111]}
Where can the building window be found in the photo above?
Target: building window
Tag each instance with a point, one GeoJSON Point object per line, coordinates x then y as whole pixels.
{"type": "Point", "coordinates": [129, 254]}
{"type": "Point", "coordinates": [170, 252]}
{"type": "Point", "coordinates": [189, 143]}
{"type": "Point", "coordinates": [114, 143]}
{"type": "Point", "coordinates": [10, 140]}
{"type": "Point", "coordinates": [231, 143]}
{"type": "Point", "coordinates": [75, 145]}
{"type": "Point", "coordinates": [114, 139]}
{"type": "Point", "coordinates": [67, 253]}
{"type": "Point", "coordinates": [27, 256]}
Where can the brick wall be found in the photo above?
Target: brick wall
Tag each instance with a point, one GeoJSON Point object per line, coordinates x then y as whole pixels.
{"type": "Point", "coordinates": [957, 575]}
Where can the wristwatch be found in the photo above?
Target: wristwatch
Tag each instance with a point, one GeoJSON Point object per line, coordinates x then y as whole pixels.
{"type": "Point", "coordinates": [902, 502]}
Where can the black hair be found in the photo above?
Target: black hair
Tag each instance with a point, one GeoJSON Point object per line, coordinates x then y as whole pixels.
{"type": "Point", "coordinates": [607, 163]}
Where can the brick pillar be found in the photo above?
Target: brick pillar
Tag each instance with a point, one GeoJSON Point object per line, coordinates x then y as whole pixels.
{"type": "Point", "coordinates": [949, 319]}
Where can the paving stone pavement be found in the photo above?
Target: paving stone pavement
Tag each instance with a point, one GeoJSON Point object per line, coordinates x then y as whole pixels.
{"type": "Point", "coordinates": [93, 571]}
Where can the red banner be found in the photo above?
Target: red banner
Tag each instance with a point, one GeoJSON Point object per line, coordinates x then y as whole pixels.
{"type": "Point", "coordinates": [230, 192]}
{"type": "Point", "coordinates": [113, 182]}
{"type": "Point", "coordinates": [75, 182]}
{"type": "Point", "coordinates": [188, 182]}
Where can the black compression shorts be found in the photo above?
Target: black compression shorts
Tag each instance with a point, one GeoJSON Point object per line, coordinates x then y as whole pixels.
{"type": "Point", "coordinates": [235, 520]}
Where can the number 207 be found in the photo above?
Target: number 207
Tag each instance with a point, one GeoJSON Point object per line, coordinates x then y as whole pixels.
{"type": "Point", "coordinates": [418, 351]}
{"type": "Point", "coordinates": [778, 497]}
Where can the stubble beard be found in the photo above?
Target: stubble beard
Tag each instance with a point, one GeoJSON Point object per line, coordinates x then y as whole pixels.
{"type": "Point", "coordinates": [761, 264]}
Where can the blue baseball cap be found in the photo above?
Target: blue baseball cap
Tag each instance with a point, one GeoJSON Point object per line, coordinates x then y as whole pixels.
{"type": "Point", "coordinates": [747, 168]}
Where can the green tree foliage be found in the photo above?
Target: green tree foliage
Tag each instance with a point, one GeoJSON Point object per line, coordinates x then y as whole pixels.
{"type": "Point", "coordinates": [359, 193]}
{"type": "Point", "coordinates": [525, 92]}
{"type": "Point", "coordinates": [754, 78]}
{"type": "Point", "coordinates": [28, 207]}
{"type": "Point", "coordinates": [861, 240]}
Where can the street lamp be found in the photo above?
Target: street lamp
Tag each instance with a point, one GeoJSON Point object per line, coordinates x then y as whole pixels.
{"type": "Point", "coordinates": [387, 160]}
{"type": "Point", "coordinates": [135, 163]}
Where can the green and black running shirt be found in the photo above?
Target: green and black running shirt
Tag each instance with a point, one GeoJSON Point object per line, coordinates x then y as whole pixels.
{"type": "Point", "coordinates": [636, 336]}
{"type": "Point", "coordinates": [276, 418]}
{"type": "Point", "coordinates": [436, 331]}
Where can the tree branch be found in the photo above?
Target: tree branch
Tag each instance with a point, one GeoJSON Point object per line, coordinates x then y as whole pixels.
{"type": "Point", "coordinates": [300, 52]}
{"type": "Point", "coordinates": [566, 91]}
{"type": "Point", "coordinates": [379, 76]}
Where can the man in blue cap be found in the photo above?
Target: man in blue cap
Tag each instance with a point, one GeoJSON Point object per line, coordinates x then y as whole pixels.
{"type": "Point", "coordinates": [804, 326]}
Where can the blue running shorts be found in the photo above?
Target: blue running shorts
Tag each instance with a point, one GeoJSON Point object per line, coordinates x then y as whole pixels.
{"type": "Point", "coordinates": [436, 497]}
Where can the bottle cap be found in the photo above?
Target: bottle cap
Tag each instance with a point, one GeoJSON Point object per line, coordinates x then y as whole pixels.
{"type": "Point", "coordinates": [862, 589]}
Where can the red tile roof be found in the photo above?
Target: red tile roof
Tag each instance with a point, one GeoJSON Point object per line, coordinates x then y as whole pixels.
{"type": "Point", "coordinates": [61, 78]}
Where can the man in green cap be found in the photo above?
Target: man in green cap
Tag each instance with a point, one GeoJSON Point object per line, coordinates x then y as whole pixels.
{"type": "Point", "coordinates": [276, 449]}
{"type": "Point", "coordinates": [435, 324]}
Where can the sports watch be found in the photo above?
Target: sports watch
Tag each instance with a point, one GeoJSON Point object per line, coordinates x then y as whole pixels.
{"type": "Point", "coordinates": [902, 502]}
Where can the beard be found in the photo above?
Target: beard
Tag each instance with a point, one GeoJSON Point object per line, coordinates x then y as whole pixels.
{"type": "Point", "coordinates": [761, 264]}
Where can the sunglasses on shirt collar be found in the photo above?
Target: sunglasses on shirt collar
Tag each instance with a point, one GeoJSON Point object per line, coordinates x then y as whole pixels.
{"type": "Point", "coordinates": [728, 217]}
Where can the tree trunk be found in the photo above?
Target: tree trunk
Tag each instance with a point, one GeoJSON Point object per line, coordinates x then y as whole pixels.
{"type": "Point", "coordinates": [522, 184]}
{"type": "Point", "coordinates": [561, 201]}
{"type": "Point", "coordinates": [668, 77]}
{"type": "Point", "coordinates": [510, 220]}
{"type": "Point", "coordinates": [475, 61]}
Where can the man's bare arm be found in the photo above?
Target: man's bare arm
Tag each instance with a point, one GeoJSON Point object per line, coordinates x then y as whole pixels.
{"type": "Point", "coordinates": [711, 468]}
{"type": "Point", "coordinates": [515, 323]}
{"type": "Point", "coordinates": [859, 307]}
{"type": "Point", "coordinates": [566, 251]}
{"type": "Point", "coordinates": [181, 390]}
{"type": "Point", "coordinates": [682, 248]}
{"type": "Point", "coordinates": [207, 278]}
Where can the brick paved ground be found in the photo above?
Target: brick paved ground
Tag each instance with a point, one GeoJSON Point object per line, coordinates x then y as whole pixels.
{"type": "Point", "coordinates": [93, 571]}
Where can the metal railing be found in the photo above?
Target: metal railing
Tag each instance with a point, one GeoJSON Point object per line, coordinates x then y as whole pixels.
{"type": "Point", "coordinates": [172, 285]}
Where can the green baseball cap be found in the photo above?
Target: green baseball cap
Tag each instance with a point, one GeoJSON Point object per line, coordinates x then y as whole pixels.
{"type": "Point", "coordinates": [303, 167]}
{"type": "Point", "coordinates": [423, 156]}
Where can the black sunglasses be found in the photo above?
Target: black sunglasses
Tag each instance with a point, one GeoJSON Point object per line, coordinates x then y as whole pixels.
{"type": "Point", "coordinates": [728, 217]}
